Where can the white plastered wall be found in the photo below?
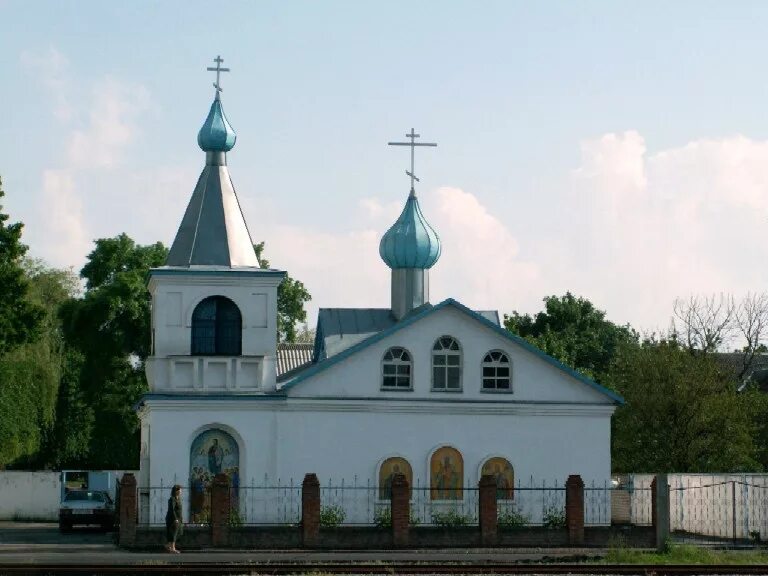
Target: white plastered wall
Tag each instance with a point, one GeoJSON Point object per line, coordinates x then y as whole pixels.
{"type": "Point", "coordinates": [533, 379]}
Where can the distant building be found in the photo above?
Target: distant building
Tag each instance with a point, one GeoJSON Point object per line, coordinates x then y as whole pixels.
{"type": "Point", "coordinates": [733, 364]}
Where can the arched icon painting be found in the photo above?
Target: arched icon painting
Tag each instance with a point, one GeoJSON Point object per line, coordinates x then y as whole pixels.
{"type": "Point", "coordinates": [446, 471]}
{"type": "Point", "coordinates": [213, 452]}
{"type": "Point", "coordinates": [504, 474]}
{"type": "Point", "coordinates": [389, 468]}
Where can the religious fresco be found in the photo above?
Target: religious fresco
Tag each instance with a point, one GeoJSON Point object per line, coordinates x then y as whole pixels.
{"type": "Point", "coordinates": [213, 452]}
{"type": "Point", "coordinates": [504, 475]}
{"type": "Point", "coordinates": [389, 468]}
{"type": "Point", "coordinates": [446, 471]}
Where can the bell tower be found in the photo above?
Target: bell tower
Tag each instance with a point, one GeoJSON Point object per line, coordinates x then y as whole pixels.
{"type": "Point", "coordinates": [214, 309]}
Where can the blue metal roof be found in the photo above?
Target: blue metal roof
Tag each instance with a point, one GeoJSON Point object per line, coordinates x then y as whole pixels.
{"type": "Point", "coordinates": [340, 328]}
{"type": "Point", "coordinates": [325, 363]}
{"type": "Point", "coordinates": [217, 134]}
{"type": "Point", "coordinates": [410, 242]}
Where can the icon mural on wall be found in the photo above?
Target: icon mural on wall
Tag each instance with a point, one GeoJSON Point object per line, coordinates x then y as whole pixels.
{"type": "Point", "coordinates": [213, 452]}
{"type": "Point", "coordinates": [446, 470]}
{"type": "Point", "coordinates": [504, 475]}
{"type": "Point", "coordinates": [389, 468]}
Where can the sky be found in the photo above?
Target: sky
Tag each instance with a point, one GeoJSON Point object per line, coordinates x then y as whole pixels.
{"type": "Point", "coordinates": [614, 149]}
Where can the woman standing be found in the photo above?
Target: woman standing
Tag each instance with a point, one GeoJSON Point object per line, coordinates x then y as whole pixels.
{"type": "Point", "coordinates": [173, 519]}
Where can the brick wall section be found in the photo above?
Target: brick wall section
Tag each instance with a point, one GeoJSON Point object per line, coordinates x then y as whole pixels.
{"type": "Point", "coordinates": [220, 504]}
{"type": "Point", "coordinates": [488, 514]}
{"type": "Point", "coordinates": [310, 510]}
{"type": "Point", "coordinates": [654, 488]}
{"type": "Point", "coordinates": [127, 510]}
{"type": "Point", "coordinates": [400, 510]}
{"type": "Point", "coordinates": [574, 509]}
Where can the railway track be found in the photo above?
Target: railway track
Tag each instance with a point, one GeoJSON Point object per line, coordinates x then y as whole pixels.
{"type": "Point", "coordinates": [387, 568]}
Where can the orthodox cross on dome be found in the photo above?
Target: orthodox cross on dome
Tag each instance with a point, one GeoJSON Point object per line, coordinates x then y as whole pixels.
{"type": "Point", "coordinates": [218, 71]}
{"type": "Point", "coordinates": [412, 135]}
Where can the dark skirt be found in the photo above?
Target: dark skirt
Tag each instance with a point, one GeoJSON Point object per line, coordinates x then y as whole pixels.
{"type": "Point", "coordinates": [172, 530]}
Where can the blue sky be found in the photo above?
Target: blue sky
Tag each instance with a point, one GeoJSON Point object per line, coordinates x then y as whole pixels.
{"type": "Point", "coordinates": [616, 149]}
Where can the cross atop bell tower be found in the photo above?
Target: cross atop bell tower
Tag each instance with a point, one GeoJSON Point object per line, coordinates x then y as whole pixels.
{"type": "Point", "coordinates": [218, 71]}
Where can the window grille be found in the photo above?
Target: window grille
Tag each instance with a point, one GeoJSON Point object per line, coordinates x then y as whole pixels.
{"type": "Point", "coordinates": [496, 371]}
{"type": "Point", "coordinates": [396, 369]}
{"type": "Point", "coordinates": [446, 364]}
{"type": "Point", "coordinates": [217, 328]}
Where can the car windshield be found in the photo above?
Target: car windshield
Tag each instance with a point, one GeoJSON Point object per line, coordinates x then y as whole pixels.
{"type": "Point", "coordinates": [80, 495]}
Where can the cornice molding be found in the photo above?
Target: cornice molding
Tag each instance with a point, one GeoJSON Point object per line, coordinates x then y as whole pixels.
{"type": "Point", "coordinates": [277, 404]}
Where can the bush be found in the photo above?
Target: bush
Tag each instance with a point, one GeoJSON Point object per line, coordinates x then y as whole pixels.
{"type": "Point", "coordinates": [509, 519]}
{"type": "Point", "coordinates": [554, 517]}
{"type": "Point", "coordinates": [235, 520]}
{"type": "Point", "coordinates": [450, 519]}
{"type": "Point", "coordinates": [331, 516]}
{"type": "Point", "coordinates": [382, 518]}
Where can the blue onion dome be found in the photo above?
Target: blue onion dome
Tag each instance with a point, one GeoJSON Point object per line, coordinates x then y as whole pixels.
{"type": "Point", "coordinates": [216, 135]}
{"type": "Point", "coordinates": [410, 242]}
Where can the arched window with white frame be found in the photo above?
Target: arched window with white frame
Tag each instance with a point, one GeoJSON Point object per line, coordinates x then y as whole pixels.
{"type": "Point", "coordinates": [446, 364]}
{"type": "Point", "coordinates": [497, 371]}
{"type": "Point", "coordinates": [396, 369]}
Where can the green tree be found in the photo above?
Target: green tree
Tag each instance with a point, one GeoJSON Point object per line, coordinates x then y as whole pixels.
{"type": "Point", "coordinates": [31, 372]}
{"type": "Point", "coordinates": [291, 297]}
{"type": "Point", "coordinates": [682, 414]}
{"type": "Point", "coordinates": [109, 327]}
{"type": "Point", "coordinates": [20, 318]}
{"type": "Point", "coordinates": [572, 330]}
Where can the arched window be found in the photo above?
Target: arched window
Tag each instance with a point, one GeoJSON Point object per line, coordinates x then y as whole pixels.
{"type": "Point", "coordinates": [396, 369]}
{"type": "Point", "coordinates": [446, 474]}
{"type": "Point", "coordinates": [497, 374]}
{"type": "Point", "coordinates": [389, 468]}
{"type": "Point", "coordinates": [217, 327]}
{"type": "Point", "coordinates": [446, 364]}
{"type": "Point", "coordinates": [504, 474]}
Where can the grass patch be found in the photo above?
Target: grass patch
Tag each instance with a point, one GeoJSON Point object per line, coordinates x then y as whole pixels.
{"type": "Point", "coordinates": [684, 554]}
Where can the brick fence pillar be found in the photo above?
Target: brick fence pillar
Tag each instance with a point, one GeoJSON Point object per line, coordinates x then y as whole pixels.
{"type": "Point", "coordinates": [489, 518]}
{"type": "Point", "coordinates": [574, 510]}
{"type": "Point", "coordinates": [400, 510]}
{"type": "Point", "coordinates": [220, 508]}
{"type": "Point", "coordinates": [310, 510]}
{"type": "Point", "coordinates": [127, 510]}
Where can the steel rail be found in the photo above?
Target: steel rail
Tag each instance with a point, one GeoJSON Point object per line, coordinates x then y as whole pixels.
{"type": "Point", "coordinates": [388, 568]}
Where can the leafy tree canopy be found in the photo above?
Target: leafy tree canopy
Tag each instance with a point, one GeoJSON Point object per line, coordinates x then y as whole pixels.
{"type": "Point", "coordinates": [20, 318]}
{"type": "Point", "coordinates": [109, 330]}
{"type": "Point", "coordinates": [30, 374]}
{"type": "Point", "coordinates": [682, 414]}
{"type": "Point", "coordinates": [112, 320]}
{"type": "Point", "coordinates": [291, 297]}
{"type": "Point", "coordinates": [572, 330]}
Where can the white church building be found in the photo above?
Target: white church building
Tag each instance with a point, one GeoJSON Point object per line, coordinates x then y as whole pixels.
{"type": "Point", "coordinates": [436, 391]}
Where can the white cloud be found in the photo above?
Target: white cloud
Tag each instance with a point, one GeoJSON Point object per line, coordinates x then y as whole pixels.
{"type": "Point", "coordinates": [112, 124]}
{"type": "Point", "coordinates": [52, 69]}
{"type": "Point", "coordinates": [62, 211]}
{"type": "Point", "coordinates": [479, 264]}
{"type": "Point", "coordinates": [660, 226]}
{"type": "Point", "coordinates": [81, 195]}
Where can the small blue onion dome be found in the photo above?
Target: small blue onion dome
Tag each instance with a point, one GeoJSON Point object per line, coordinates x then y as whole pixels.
{"type": "Point", "coordinates": [410, 242]}
{"type": "Point", "coordinates": [216, 135]}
